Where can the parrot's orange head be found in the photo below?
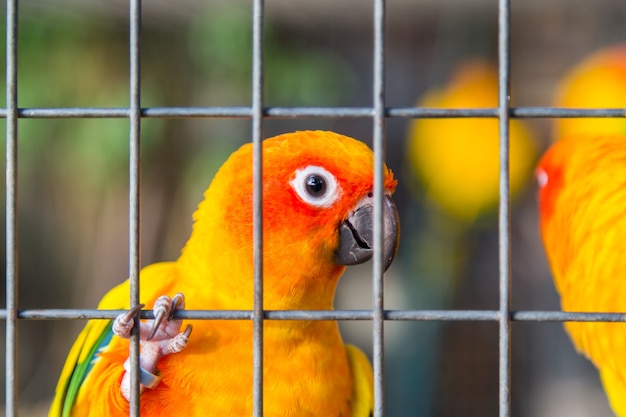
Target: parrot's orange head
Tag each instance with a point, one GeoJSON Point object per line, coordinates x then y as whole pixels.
{"type": "Point", "coordinates": [552, 174]}
{"type": "Point", "coordinates": [580, 178]}
{"type": "Point", "coordinates": [317, 210]}
{"type": "Point", "coordinates": [549, 175]}
{"type": "Point", "coordinates": [319, 185]}
{"type": "Point", "coordinates": [576, 163]}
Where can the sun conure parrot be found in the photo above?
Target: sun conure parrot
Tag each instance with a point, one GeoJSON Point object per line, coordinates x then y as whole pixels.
{"type": "Point", "coordinates": [317, 217]}
{"type": "Point", "coordinates": [598, 81]}
{"type": "Point", "coordinates": [582, 197]}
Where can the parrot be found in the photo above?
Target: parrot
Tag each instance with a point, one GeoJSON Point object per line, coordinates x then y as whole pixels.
{"type": "Point", "coordinates": [318, 203]}
{"type": "Point", "coordinates": [598, 81]}
{"type": "Point", "coordinates": [582, 208]}
{"type": "Point", "coordinates": [456, 160]}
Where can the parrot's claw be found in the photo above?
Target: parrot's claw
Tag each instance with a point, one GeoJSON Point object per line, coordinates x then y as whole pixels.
{"type": "Point", "coordinates": [164, 307]}
{"type": "Point", "coordinates": [177, 302]}
{"type": "Point", "coordinates": [159, 338]}
{"type": "Point", "coordinates": [159, 314]}
{"type": "Point", "coordinates": [123, 324]}
{"type": "Point", "coordinates": [178, 342]}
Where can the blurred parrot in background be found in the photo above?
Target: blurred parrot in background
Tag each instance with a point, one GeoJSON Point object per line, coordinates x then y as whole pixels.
{"type": "Point", "coordinates": [455, 165]}
{"type": "Point", "coordinates": [457, 160]}
{"type": "Point", "coordinates": [599, 81]}
{"type": "Point", "coordinates": [582, 204]}
{"type": "Point", "coordinates": [317, 217]}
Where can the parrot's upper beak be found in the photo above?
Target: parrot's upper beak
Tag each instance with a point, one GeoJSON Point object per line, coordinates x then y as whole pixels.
{"type": "Point", "coordinates": [356, 233]}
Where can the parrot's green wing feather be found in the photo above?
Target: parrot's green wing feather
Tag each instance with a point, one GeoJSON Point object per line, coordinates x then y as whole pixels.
{"type": "Point", "coordinates": [95, 337]}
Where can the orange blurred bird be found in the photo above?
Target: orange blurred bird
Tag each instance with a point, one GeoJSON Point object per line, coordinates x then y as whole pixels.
{"type": "Point", "coordinates": [317, 218]}
{"type": "Point", "coordinates": [583, 223]}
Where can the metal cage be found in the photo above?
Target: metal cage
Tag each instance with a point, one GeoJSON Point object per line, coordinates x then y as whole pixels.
{"type": "Point", "coordinates": [257, 112]}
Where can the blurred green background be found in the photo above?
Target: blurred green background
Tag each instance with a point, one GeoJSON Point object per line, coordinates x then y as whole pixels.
{"type": "Point", "coordinates": [73, 173]}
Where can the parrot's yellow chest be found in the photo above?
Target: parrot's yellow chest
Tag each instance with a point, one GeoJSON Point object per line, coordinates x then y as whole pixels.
{"type": "Point", "coordinates": [306, 373]}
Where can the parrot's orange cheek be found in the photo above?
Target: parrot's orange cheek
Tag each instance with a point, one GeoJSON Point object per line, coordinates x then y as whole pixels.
{"type": "Point", "coordinates": [550, 182]}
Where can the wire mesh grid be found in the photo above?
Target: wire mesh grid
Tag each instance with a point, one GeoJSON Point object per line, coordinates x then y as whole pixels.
{"type": "Point", "coordinates": [257, 112]}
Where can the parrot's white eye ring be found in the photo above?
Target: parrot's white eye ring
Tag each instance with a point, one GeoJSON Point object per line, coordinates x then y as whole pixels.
{"type": "Point", "coordinates": [542, 178]}
{"type": "Point", "coordinates": [316, 186]}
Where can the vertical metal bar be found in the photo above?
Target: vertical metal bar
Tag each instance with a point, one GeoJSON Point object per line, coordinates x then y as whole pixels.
{"type": "Point", "coordinates": [257, 168]}
{"type": "Point", "coordinates": [379, 158]}
{"type": "Point", "coordinates": [504, 219]}
{"type": "Point", "coordinates": [134, 246]}
{"type": "Point", "coordinates": [11, 399]}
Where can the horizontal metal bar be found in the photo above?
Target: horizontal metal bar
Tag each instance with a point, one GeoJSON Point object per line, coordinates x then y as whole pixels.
{"type": "Point", "coordinates": [121, 112]}
{"type": "Point", "coordinates": [197, 112]}
{"type": "Point", "coordinates": [71, 112]}
{"type": "Point", "coordinates": [348, 315]}
{"type": "Point", "coordinates": [312, 112]}
{"type": "Point", "coordinates": [194, 112]}
{"type": "Point", "coordinates": [442, 315]}
{"type": "Point", "coordinates": [561, 316]}
{"type": "Point", "coordinates": [65, 314]}
{"type": "Point", "coordinates": [423, 112]}
{"type": "Point", "coordinates": [553, 112]}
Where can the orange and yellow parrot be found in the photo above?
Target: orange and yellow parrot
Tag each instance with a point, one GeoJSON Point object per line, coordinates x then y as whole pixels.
{"type": "Point", "coordinates": [582, 197]}
{"type": "Point", "coordinates": [317, 218]}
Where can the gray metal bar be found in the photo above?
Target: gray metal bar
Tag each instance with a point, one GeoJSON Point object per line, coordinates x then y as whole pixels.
{"type": "Point", "coordinates": [312, 112]}
{"type": "Point", "coordinates": [346, 315]}
{"type": "Point", "coordinates": [553, 112]}
{"type": "Point", "coordinates": [562, 316]}
{"type": "Point", "coordinates": [134, 198]}
{"type": "Point", "coordinates": [504, 212]}
{"type": "Point", "coordinates": [11, 397]}
{"type": "Point", "coordinates": [424, 112]}
{"type": "Point", "coordinates": [378, 340]}
{"type": "Point", "coordinates": [257, 167]}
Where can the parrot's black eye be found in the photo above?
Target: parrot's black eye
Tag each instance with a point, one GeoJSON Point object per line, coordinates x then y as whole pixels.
{"type": "Point", "coordinates": [316, 186]}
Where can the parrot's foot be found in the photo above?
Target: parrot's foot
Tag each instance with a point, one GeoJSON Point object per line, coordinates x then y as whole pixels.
{"type": "Point", "coordinates": [158, 338]}
{"type": "Point", "coordinates": [123, 324]}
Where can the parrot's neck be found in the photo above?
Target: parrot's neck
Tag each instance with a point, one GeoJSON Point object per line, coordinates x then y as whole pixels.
{"type": "Point", "coordinates": [224, 271]}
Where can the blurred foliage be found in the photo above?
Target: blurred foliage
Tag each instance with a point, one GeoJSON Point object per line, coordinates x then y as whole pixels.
{"type": "Point", "coordinates": [296, 73]}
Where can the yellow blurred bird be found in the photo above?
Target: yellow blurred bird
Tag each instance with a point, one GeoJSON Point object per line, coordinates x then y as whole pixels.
{"type": "Point", "coordinates": [457, 160]}
{"type": "Point", "coordinates": [599, 81]}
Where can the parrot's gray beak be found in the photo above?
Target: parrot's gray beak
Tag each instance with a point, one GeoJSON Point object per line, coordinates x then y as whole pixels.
{"type": "Point", "coordinates": [356, 233]}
